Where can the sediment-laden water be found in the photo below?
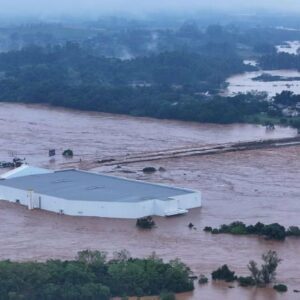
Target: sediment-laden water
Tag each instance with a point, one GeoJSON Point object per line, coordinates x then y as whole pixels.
{"type": "Point", "coordinates": [250, 186]}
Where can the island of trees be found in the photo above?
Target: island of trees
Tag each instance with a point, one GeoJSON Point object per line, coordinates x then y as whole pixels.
{"type": "Point", "coordinates": [273, 231]}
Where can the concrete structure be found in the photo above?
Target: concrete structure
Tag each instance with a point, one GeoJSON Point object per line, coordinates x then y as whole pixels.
{"type": "Point", "coordinates": [81, 193]}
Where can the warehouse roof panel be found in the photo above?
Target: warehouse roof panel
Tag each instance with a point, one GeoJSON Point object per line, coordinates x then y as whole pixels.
{"type": "Point", "coordinates": [81, 185]}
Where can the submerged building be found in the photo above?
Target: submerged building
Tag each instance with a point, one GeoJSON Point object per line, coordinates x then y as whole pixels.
{"type": "Point", "coordinates": [81, 193]}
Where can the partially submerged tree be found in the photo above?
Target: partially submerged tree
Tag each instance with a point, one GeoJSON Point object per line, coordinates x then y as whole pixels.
{"type": "Point", "coordinates": [281, 288]}
{"type": "Point", "coordinates": [267, 273]}
{"type": "Point", "coordinates": [223, 273]}
{"type": "Point", "coordinates": [145, 223]}
{"type": "Point", "coordinates": [68, 153]}
{"type": "Point", "coordinates": [202, 279]}
{"type": "Point", "coordinates": [122, 255]}
{"type": "Point", "coordinates": [90, 257]}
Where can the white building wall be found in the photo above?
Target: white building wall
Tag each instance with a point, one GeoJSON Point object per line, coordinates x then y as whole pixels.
{"type": "Point", "coordinates": [188, 201]}
{"type": "Point", "coordinates": [130, 210]}
{"type": "Point", "coordinates": [15, 195]}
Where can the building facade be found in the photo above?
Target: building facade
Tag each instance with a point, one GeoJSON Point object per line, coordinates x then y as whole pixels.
{"type": "Point", "coordinates": [80, 193]}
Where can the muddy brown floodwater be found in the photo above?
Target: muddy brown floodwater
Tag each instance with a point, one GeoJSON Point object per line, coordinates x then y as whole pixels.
{"type": "Point", "coordinates": [30, 131]}
{"type": "Point", "coordinates": [251, 186]}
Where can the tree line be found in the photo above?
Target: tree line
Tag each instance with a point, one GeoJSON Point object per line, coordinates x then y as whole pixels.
{"type": "Point", "coordinates": [91, 276]}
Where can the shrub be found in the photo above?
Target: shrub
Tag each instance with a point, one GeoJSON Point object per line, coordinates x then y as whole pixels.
{"type": "Point", "coordinates": [223, 273]}
{"type": "Point", "coordinates": [293, 231]}
{"type": "Point", "coordinates": [145, 223]}
{"type": "Point", "coordinates": [202, 279]}
{"type": "Point", "coordinates": [274, 231]}
{"type": "Point", "coordinates": [207, 229]}
{"type": "Point", "coordinates": [224, 228]}
{"type": "Point", "coordinates": [191, 225]}
{"type": "Point", "coordinates": [215, 231]}
{"type": "Point", "coordinates": [68, 153]}
{"type": "Point", "coordinates": [238, 230]}
{"type": "Point", "coordinates": [258, 227]}
{"type": "Point", "coordinates": [246, 281]}
{"type": "Point", "coordinates": [282, 288]}
{"type": "Point", "coordinates": [149, 170]}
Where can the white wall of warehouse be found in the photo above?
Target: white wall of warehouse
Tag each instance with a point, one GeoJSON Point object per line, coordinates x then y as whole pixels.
{"type": "Point", "coordinates": [130, 210]}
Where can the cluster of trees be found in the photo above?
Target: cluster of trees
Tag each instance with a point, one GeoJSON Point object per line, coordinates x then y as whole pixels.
{"type": "Point", "coordinates": [259, 276]}
{"type": "Point", "coordinates": [286, 98]}
{"type": "Point", "coordinates": [273, 231]}
{"type": "Point", "coordinates": [62, 79]}
{"type": "Point", "coordinates": [275, 61]}
{"type": "Point", "coordinates": [128, 38]}
{"type": "Point", "coordinates": [72, 65]}
{"type": "Point", "coordinates": [91, 276]}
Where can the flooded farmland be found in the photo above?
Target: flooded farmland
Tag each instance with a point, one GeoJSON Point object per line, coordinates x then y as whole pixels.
{"type": "Point", "coordinates": [250, 186]}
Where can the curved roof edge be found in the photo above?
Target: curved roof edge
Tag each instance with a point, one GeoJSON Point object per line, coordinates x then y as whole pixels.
{"type": "Point", "coordinates": [24, 170]}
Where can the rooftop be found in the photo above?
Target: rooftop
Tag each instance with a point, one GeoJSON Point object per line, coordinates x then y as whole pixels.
{"type": "Point", "coordinates": [81, 185]}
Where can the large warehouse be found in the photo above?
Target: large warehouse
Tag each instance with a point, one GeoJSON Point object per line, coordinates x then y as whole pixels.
{"type": "Point", "coordinates": [80, 193]}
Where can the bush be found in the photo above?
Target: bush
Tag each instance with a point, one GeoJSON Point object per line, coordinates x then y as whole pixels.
{"type": "Point", "coordinates": [202, 279]}
{"type": "Point", "coordinates": [207, 229]}
{"type": "Point", "coordinates": [274, 231]}
{"type": "Point", "coordinates": [149, 170]}
{"type": "Point", "coordinates": [68, 153]}
{"type": "Point", "coordinates": [293, 231]}
{"type": "Point", "coordinates": [238, 230]}
{"type": "Point", "coordinates": [145, 223]}
{"type": "Point", "coordinates": [223, 273]}
{"type": "Point", "coordinates": [281, 288]}
{"type": "Point", "coordinates": [246, 281]}
{"type": "Point", "coordinates": [167, 296]}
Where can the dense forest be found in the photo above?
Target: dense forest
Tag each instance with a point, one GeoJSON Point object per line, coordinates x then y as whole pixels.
{"type": "Point", "coordinates": [92, 277]}
{"type": "Point", "coordinates": [142, 70]}
{"type": "Point", "coordinates": [167, 85]}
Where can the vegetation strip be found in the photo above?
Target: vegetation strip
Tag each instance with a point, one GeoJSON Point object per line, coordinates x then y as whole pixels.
{"type": "Point", "coordinates": [273, 231]}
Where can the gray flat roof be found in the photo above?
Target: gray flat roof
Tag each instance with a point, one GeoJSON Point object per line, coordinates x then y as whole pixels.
{"type": "Point", "coordinates": [80, 185]}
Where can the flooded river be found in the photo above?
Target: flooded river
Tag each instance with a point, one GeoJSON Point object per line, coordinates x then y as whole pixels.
{"type": "Point", "coordinates": [244, 83]}
{"type": "Point", "coordinates": [30, 131]}
{"type": "Point", "coordinates": [251, 186]}
{"type": "Point", "coordinates": [290, 47]}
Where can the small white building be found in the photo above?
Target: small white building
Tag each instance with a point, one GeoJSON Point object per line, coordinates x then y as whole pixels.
{"type": "Point", "coordinates": [80, 193]}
